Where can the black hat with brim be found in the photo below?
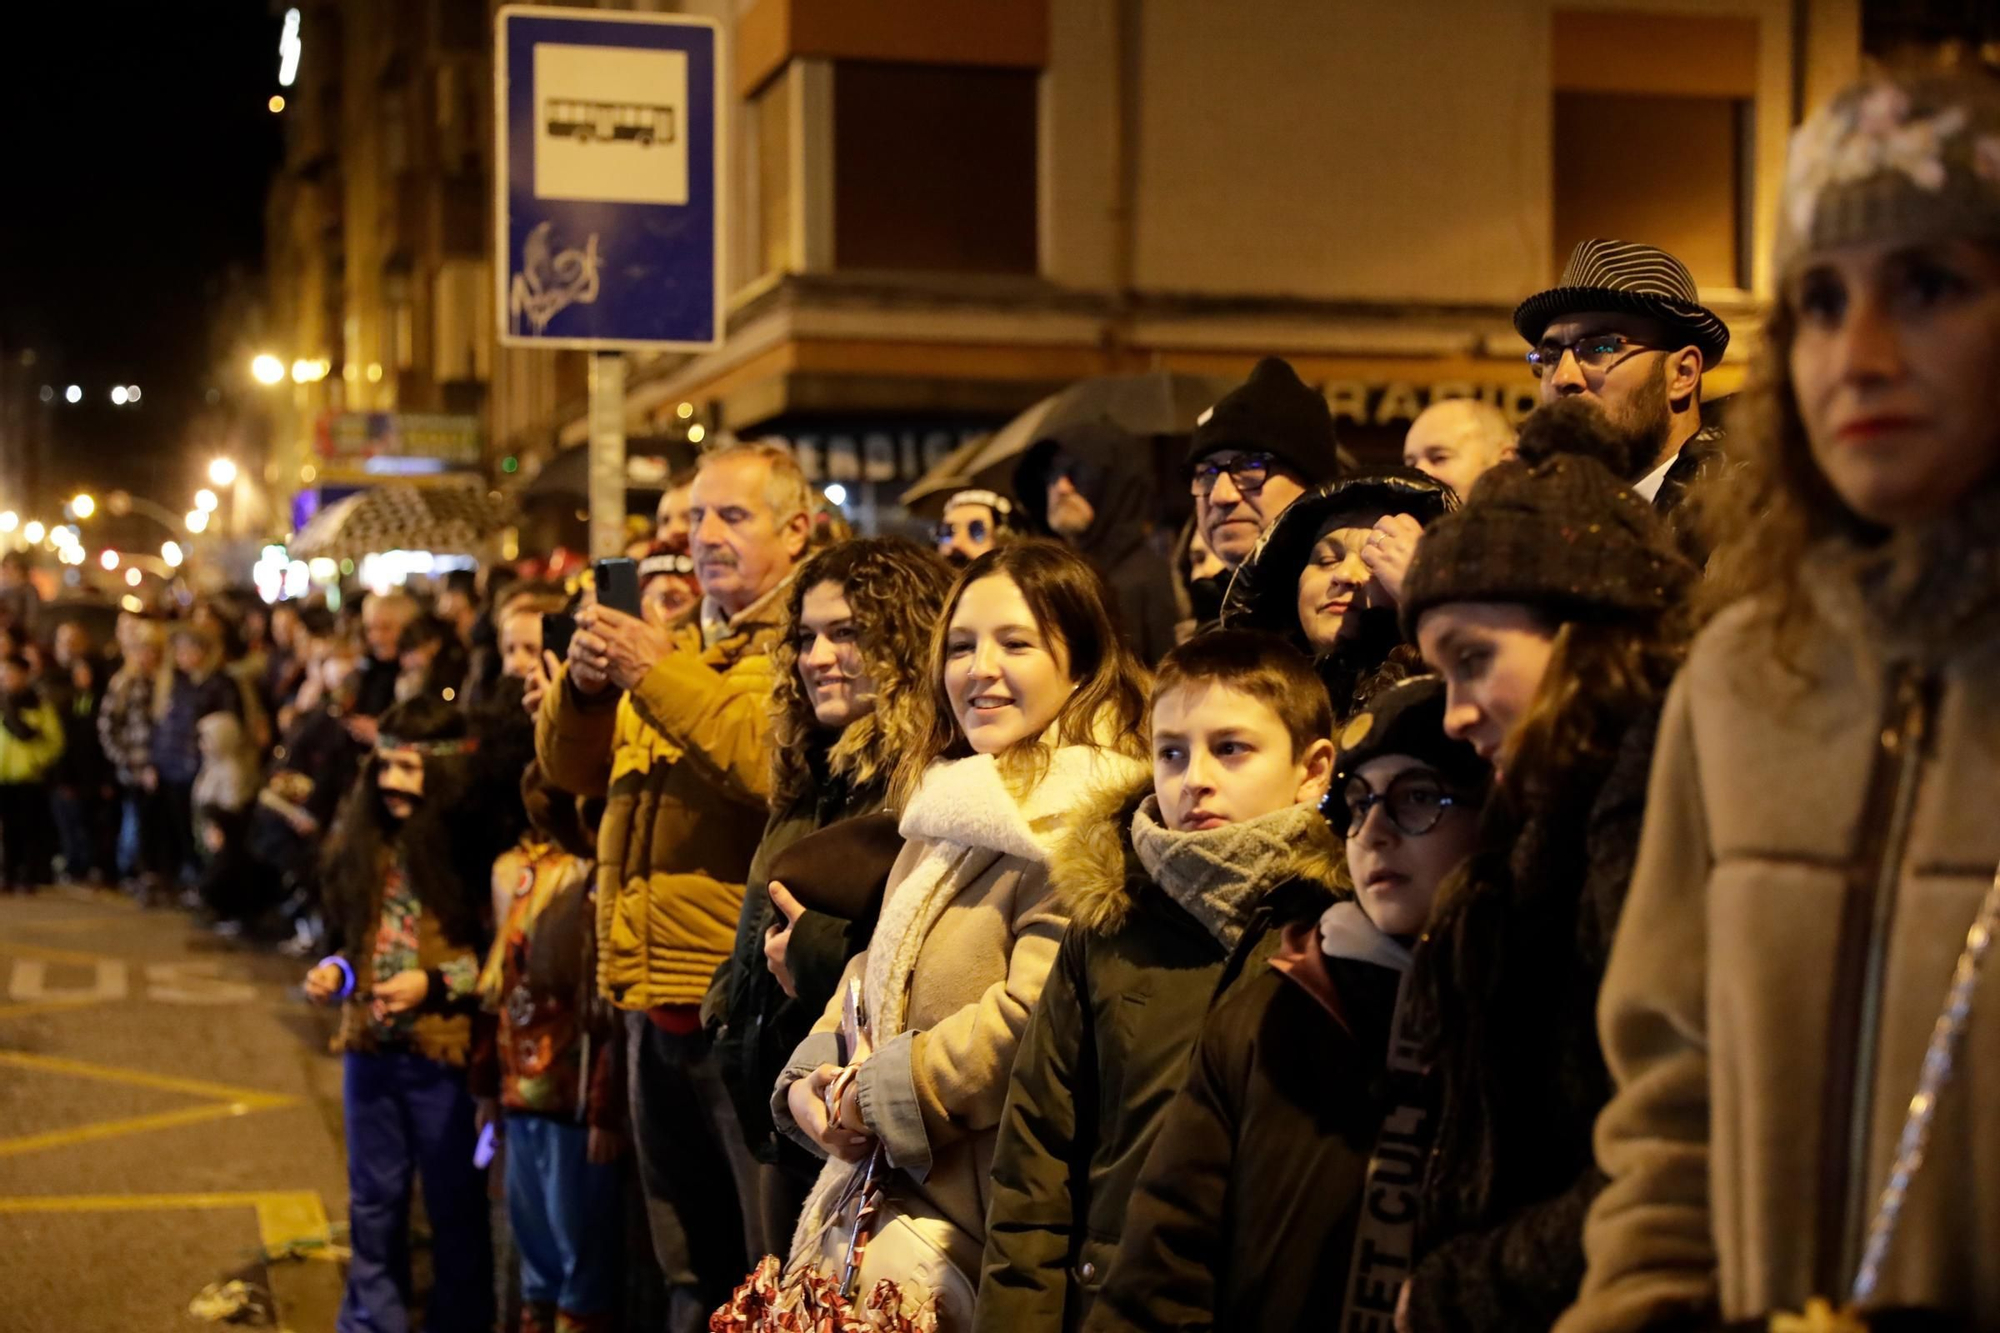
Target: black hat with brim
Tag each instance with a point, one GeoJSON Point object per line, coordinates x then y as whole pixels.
{"type": "Point", "coordinates": [1265, 592]}
{"type": "Point", "coordinates": [1407, 719]}
{"type": "Point", "coordinates": [1628, 279]}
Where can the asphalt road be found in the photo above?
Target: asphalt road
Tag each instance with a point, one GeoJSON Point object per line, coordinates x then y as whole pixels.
{"type": "Point", "coordinates": [168, 1117]}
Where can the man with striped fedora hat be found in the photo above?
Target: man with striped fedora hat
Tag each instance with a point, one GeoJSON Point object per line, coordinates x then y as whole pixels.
{"type": "Point", "coordinates": [1625, 330]}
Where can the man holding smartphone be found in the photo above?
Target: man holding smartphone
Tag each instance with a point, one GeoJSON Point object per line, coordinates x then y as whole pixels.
{"type": "Point", "coordinates": [670, 722]}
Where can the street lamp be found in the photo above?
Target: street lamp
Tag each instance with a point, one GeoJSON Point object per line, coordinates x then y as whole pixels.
{"type": "Point", "coordinates": [264, 368]}
{"type": "Point", "coordinates": [205, 501]}
{"type": "Point", "coordinates": [171, 553]}
{"type": "Point", "coordinates": [223, 472]}
{"type": "Point", "coordinates": [118, 395]}
{"type": "Point", "coordinates": [109, 560]}
{"type": "Point", "coordinates": [197, 521]}
{"type": "Point", "coordinates": [34, 532]}
{"type": "Point", "coordinates": [83, 506]}
{"type": "Point", "coordinates": [73, 394]}
{"type": "Point", "coordinates": [9, 521]}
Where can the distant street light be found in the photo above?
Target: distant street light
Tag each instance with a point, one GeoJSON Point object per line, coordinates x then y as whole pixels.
{"type": "Point", "coordinates": [264, 368]}
{"type": "Point", "coordinates": [223, 472]}
{"type": "Point", "coordinates": [171, 553]}
{"type": "Point", "coordinates": [9, 521]}
{"type": "Point", "coordinates": [197, 521]}
{"type": "Point", "coordinates": [83, 506]}
{"type": "Point", "coordinates": [277, 104]}
{"type": "Point", "coordinates": [133, 577]}
{"type": "Point", "coordinates": [73, 394]}
{"type": "Point", "coordinates": [34, 532]}
{"type": "Point", "coordinates": [131, 393]}
{"type": "Point", "coordinates": [118, 395]}
{"type": "Point", "coordinates": [109, 560]}
{"type": "Point", "coordinates": [205, 501]}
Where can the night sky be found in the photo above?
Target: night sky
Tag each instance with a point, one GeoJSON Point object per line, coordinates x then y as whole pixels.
{"type": "Point", "coordinates": [139, 148]}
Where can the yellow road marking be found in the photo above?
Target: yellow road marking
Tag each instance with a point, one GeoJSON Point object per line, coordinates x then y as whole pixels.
{"type": "Point", "coordinates": [193, 1087]}
{"type": "Point", "coordinates": [16, 949]}
{"type": "Point", "coordinates": [111, 1129]}
{"type": "Point", "coordinates": [68, 923]}
{"type": "Point", "coordinates": [284, 1217]}
{"type": "Point", "coordinates": [8, 1011]}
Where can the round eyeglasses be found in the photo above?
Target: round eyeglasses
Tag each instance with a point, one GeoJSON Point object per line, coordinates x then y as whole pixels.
{"type": "Point", "coordinates": [1414, 801]}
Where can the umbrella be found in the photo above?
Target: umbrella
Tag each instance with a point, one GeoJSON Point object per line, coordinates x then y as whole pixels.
{"type": "Point", "coordinates": [457, 519]}
{"type": "Point", "coordinates": [1159, 402]}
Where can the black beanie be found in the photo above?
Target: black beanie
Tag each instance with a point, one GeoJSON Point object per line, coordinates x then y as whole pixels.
{"type": "Point", "coordinates": [1272, 412]}
{"type": "Point", "coordinates": [1562, 534]}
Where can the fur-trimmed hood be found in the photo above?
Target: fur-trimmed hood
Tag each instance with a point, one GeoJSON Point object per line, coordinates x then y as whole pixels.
{"type": "Point", "coordinates": [1098, 874]}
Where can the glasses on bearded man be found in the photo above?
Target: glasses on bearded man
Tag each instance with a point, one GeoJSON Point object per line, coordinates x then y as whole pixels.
{"type": "Point", "coordinates": [1594, 352]}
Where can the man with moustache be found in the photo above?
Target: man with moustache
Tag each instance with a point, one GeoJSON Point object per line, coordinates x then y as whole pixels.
{"type": "Point", "coordinates": [1626, 331]}
{"type": "Point", "coordinates": [672, 726]}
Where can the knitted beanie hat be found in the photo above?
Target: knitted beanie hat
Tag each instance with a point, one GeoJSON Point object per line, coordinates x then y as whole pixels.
{"type": "Point", "coordinates": [1561, 534]}
{"type": "Point", "coordinates": [1272, 412]}
{"type": "Point", "coordinates": [1908, 158]}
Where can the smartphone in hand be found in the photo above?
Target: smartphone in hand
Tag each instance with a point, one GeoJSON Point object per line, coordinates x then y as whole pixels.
{"type": "Point", "coordinates": [558, 628]}
{"type": "Point", "coordinates": [617, 582]}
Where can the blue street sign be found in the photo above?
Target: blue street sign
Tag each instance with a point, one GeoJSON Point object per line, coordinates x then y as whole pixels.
{"type": "Point", "coordinates": [607, 180]}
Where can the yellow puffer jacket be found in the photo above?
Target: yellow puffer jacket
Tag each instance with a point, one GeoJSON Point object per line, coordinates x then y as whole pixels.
{"type": "Point", "coordinates": [683, 764]}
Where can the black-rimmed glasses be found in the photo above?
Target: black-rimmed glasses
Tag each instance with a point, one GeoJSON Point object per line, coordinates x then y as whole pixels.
{"type": "Point", "coordinates": [1595, 352]}
{"type": "Point", "coordinates": [1247, 472]}
{"type": "Point", "coordinates": [1414, 801]}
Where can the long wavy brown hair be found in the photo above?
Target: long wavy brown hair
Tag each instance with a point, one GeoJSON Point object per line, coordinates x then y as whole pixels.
{"type": "Point", "coordinates": [1071, 605]}
{"type": "Point", "coordinates": [896, 590]}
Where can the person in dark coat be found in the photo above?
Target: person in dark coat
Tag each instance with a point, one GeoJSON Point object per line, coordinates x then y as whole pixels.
{"type": "Point", "coordinates": [197, 687]}
{"type": "Point", "coordinates": [1265, 443]}
{"type": "Point", "coordinates": [850, 667]}
{"type": "Point", "coordinates": [1160, 885]}
{"type": "Point", "coordinates": [1280, 1193]}
{"type": "Point", "coordinates": [1553, 604]}
{"type": "Point", "coordinates": [1093, 487]}
{"type": "Point", "coordinates": [1326, 575]}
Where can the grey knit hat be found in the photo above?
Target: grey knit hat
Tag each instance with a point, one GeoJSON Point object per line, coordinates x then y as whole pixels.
{"type": "Point", "coordinates": [1913, 158]}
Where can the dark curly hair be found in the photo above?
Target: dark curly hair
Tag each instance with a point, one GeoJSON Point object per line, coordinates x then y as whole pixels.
{"type": "Point", "coordinates": [895, 589]}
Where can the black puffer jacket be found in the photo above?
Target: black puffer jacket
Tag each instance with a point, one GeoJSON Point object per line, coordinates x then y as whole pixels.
{"type": "Point", "coordinates": [1509, 974]}
{"type": "Point", "coordinates": [1106, 1048]}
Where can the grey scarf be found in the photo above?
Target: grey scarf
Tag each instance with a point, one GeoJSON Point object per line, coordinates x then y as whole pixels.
{"type": "Point", "coordinates": [1218, 874]}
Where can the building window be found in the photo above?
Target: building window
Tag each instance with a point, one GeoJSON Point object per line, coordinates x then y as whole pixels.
{"type": "Point", "coordinates": [769, 116]}
{"type": "Point", "coordinates": [1649, 146]}
{"type": "Point", "coordinates": [934, 168]}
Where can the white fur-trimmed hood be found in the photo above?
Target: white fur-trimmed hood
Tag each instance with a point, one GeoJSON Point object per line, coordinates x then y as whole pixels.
{"type": "Point", "coordinates": [968, 802]}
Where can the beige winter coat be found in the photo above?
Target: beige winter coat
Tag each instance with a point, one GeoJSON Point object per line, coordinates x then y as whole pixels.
{"type": "Point", "coordinates": [968, 932]}
{"type": "Point", "coordinates": [1731, 1014]}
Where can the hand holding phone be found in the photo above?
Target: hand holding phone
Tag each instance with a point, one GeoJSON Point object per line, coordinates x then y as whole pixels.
{"type": "Point", "coordinates": [617, 582]}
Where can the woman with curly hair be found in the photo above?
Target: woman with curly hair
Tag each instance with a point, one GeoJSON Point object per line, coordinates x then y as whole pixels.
{"type": "Point", "coordinates": [849, 666]}
{"type": "Point", "coordinates": [1031, 702]}
{"type": "Point", "coordinates": [1817, 873]}
{"type": "Point", "coordinates": [1554, 606]}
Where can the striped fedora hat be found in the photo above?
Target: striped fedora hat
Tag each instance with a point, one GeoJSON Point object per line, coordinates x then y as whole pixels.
{"type": "Point", "coordinates": [1633, 279]}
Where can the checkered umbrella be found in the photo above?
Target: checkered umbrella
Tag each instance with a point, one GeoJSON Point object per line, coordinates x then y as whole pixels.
{"type": "Point", "coordinates": [454, 519]}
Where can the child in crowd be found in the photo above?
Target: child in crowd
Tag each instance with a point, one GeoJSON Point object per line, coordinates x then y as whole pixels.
{"type": "Point", "coordinates": [1160, 880]}
{"type": "Point", "coordinates": [196, 687]}
{"type": "Point", "coordinates": [560, 1084]}
{"type": "Point", "coordinates": [31, 740]}
{"type": "Point", "coordinates": [1281, 1191]}
{"type": "Point", "coordinates": [404, 903]}
{"type": "Point", "coordinates": [223, 791]}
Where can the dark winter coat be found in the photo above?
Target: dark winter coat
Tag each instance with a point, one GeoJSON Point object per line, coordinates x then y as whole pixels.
{"type": "Point", "coordinates": [761, 1025]}
{"type": "Point", "coordinates": [1244, 1217]}
{"type": "Point", "coordinates": [176, 743]}
{"type": "Point", "coordinates": [1107, 1046]}
{"type": "Point", "coordinates": [83, 764]}
{"type": "Point", "coordinates": [1700, 457]}
{"type": "Point", "coordinates": [1510, 972]}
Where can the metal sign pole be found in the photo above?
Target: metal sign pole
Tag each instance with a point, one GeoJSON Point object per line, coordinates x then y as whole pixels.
{"type": "Point", "coordinates": [607, 454]}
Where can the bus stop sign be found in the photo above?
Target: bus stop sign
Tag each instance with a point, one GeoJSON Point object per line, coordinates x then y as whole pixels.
{"type": "Point", "coordinates": [607, 188]}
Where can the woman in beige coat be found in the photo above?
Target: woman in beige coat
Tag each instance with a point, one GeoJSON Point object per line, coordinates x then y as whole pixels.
{"type": "Point", "coordinates": [1035, 703]}
{"type": "Point", "coordinates": [1821, 831]}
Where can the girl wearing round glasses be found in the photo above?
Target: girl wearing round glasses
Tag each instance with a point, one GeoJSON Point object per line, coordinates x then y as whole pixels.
{"type": "Point", "coordinates": [1551, 605]}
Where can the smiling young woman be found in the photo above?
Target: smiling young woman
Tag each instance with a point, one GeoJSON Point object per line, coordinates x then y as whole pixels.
{"type": "Point", "coordinates": [1032, 703]}
{"type": "Point", "coordinates": [1818, 862]}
